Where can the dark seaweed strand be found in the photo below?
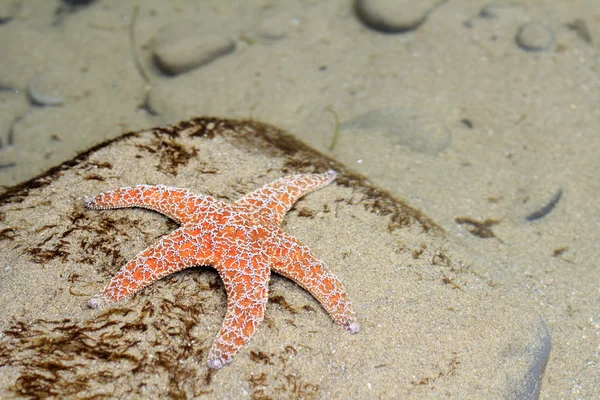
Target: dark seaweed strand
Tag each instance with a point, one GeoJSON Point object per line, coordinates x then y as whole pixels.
{"type": "Point", "coordinates": [545, 210]}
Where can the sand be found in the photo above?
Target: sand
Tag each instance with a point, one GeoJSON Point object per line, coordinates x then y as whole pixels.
{"type": "Point", "coordinates": [479, 115]}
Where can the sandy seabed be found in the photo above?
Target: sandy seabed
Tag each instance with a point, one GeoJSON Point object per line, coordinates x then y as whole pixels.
{"type": "Point", "coordinates": [483, 116]}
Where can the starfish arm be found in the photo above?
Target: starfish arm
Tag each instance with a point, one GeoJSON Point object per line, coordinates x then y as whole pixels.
{"type": "Point", "coordinates": [296, 262]}
{"type": "Point", "coordinates": [180, 249]}
{"type": "Point", "coordinates": [177, 204]}
{"type": "Point", "coordinates": [246, 282]}
{"type": "Point", "coordinates": [270, 203]}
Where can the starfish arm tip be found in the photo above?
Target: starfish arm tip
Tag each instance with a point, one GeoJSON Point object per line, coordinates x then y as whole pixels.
{"type": "Point", "coordinates": [89, 202]}
{"type": "Point", "coordinates": [216, 363]}
{"type": "Point", "coordinates": [97, 302]}
{"type": "Point", "coordinates": [353, 327]}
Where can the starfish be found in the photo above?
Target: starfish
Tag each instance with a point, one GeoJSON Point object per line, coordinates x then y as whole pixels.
{"type": "Point", "coordinates": [243, 241]}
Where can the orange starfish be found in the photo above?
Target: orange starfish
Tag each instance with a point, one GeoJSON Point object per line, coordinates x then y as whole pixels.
{"type": "Point", "coordinates": [243, 241]}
